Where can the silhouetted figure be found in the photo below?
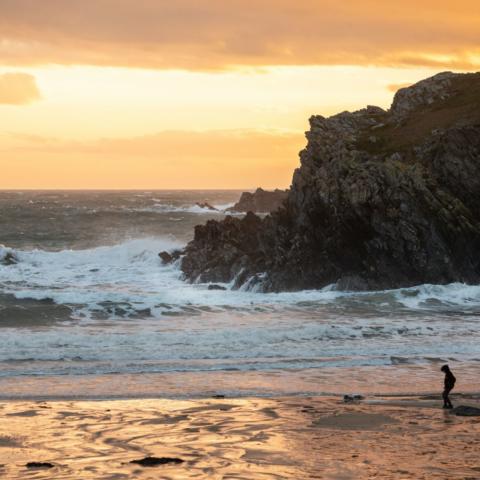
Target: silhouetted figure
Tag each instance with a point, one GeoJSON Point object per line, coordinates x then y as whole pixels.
{"type": "Point", "coordinates": [449, 384]}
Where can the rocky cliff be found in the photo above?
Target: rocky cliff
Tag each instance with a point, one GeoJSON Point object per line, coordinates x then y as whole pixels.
{"type": "Point", "coordinates": [382, 199]}
{"type": "Point", "coordinates": [260, 201]}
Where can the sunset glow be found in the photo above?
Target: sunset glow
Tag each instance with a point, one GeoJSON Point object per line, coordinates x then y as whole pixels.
{"type": "Point", "coordinates": [150, 94]}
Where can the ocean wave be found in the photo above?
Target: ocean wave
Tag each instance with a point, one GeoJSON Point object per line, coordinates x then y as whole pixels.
{"type": "Point", "coordinates": [161, 207]}
{"type": "Point", "coordinates": [131, 313]}
{"type": "Point", "coordinates": [127, 279]}
{"type": "Point", "coordinates": [430, 296]}
{"type": "Point", "coordinates": [195, 209]}
{"type": "Point", "coordinates": [111, 364]}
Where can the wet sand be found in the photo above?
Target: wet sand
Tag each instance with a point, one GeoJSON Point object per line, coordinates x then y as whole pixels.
{"type": "Point", "coordinates": [414, 379]}
{"type": "Point", "coordinates": [249, 438]}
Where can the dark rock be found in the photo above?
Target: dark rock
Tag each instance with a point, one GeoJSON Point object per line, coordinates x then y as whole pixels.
{"type": "Point", "coordinates": [166, 257]}
{"type": "Point", "coordinates": [401, 211]}
{"type": "Point", "coordinates": [218, 396]}
{"type": "Point", "coordinates": [220, 249]}
{"type": "Point", "coordinates": [169, 257]}
{"type": "Point", "coordinates": [261, 201]}
{"type": "Point", "coordinates": [155, 461]}
{"type": "Point", "coordinates": [39, 465]}
{"type": "Point", "coordinates": [206, 206]}
{"type": "Point", "coordinates": [466, 411]}
{"type": "Point", "coordinates": [7, 256]}
{"type": "Point", "coordinates": [425, 93]}
{"type": "Point", "coordinates": [352, 398]}
{"type": "Point", "coordinates": [10, 259]}
{"type": "Point", "coordinates": [214, 286]}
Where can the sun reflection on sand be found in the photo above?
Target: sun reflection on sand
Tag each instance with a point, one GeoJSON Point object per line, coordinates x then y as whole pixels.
{"type": "Point", "coordinates": [247, 438]}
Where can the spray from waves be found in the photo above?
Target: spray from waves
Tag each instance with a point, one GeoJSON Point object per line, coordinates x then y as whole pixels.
{"type": "Point", "coordinates": [129, 279]}
{"type": "Point", "coordinates": [431, 296]}
{"type": "Point", "coordinates": [127, 276]}
{"type": "Point", "coordinates": [188, 328]}
{"type": "Point", "coordinates": [194, 209]}
{"type": "Point", "coordinates": [161, 207]}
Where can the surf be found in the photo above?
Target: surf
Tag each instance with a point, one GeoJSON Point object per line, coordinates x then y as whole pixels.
{"type": "Point", "coordinates": [131, 276]}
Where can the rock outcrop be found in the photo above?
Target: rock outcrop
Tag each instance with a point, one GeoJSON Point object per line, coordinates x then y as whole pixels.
{"type": "Point", "coordinates": [382, 199]}
{"type": "Point", "coordinates": [206, 206]}
{"type": "Point", "coordinates": [260, 201]}
{"type": "Point", "coordinates": [7, 256]}
{"type": "Point", "coordinates": [169, 257]}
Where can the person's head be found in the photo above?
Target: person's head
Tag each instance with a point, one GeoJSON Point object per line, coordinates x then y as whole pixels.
{"type": "Point", "coordinates": [445, 368]}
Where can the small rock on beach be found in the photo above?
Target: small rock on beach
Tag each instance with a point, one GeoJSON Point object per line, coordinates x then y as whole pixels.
{"type": "Point", "coordinates": [155, 461]}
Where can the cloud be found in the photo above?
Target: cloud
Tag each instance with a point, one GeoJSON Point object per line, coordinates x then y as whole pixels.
{"type": "Point", "coordinates": [219, 34]}
{"type": "Point", "coordinates": [169, 159]}
{"type": "Point", "coordinates": [209, 144]}
{"type": "Point", "coordinates": [18, 89]}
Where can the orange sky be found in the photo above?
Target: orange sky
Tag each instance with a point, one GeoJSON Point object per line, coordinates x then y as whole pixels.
{"type": "Point", "coordinates": [202, 94]}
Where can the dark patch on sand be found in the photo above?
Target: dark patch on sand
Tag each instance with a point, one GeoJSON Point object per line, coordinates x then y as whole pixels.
{"type": "Point", "coordinates": [466, 411]}
{"type": "Point", "coordinates": [10, 442]}
{"type": "Point", "coordinates": [167, 420]}
{"type": "Point", "coordinates": [270, 412]}
{"type": "Point", "coordinates": [39, 465]}
{"type": "Point", "coordinates": [155, 461]}
{"type": "Point", "coordinates": [26, 413]}
{"type": "Point", "coordinates": [355, 421]}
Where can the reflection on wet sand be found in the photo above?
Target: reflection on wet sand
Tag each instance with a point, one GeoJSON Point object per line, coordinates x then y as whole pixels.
{"type": "Point", "coordinates": [248, 438]}
{"type": "Point", "coordinates": [389, 380]}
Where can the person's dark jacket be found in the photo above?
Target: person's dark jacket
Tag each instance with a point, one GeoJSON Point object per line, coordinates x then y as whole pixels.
{"type": "Point", "coordinates": [449, 380]}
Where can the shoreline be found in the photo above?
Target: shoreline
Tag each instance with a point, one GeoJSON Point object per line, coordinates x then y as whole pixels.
{"type": "Point", "coordinates": [240, 438]}
{"type": "Point", "coordinates": [369, 381]}
{"type": "Point", "coordinates": [372, 399]}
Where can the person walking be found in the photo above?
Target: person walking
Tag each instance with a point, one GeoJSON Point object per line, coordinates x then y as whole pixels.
{"type": "Point", "coordinates": [448, 386]}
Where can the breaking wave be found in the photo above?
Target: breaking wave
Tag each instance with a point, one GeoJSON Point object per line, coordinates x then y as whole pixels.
{"type": "Point", "coordinates": [128, 278]}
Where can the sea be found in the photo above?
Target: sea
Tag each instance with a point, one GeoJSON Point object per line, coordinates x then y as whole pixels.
{"type": "Point", "coordinates": [89, 311]}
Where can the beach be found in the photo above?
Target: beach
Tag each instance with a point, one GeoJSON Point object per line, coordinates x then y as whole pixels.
{"type": "Point", "coordinates": [241, 438]}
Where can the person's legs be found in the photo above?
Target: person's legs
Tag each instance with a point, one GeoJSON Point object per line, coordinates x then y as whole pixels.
{"type": "Point", "coordinates": [446, 401]}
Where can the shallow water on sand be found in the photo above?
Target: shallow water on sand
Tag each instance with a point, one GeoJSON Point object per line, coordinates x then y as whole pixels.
{"type": "Point", "coordinates": [90, 301]}
{"type": "Point", "coordinates": [250, 438]}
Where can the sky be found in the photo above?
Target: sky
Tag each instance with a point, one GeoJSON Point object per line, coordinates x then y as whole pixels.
{"type": "Point", "coordinates": [150, 94]}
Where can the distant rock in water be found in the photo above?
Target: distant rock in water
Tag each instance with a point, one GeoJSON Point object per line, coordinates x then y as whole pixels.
{"type": "Point", "coordinates": [206, 206]}
{"type": "Point", "coordinates": [7, 256]}
{"type": "Point", "coordinates": [382, 199]}
{"type": "Point", "coordinates": [261, 201]}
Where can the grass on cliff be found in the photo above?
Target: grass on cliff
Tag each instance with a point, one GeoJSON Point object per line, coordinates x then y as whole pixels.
{"type": "Point", "coordinates": [460, 108]}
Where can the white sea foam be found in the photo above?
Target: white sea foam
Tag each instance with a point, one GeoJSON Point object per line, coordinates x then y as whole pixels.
{"type": "Point", "coordinates": [185, 327]}
{"type": "Point", "coordinates": [131, 275]}
{"type": "Point", "coordinates": [162, 207]}
{"type": "Point", "coordinates": [428, 296]}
